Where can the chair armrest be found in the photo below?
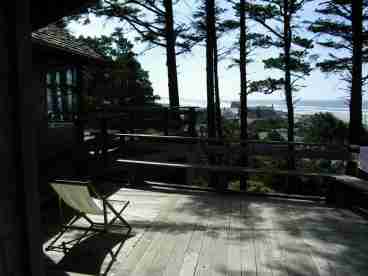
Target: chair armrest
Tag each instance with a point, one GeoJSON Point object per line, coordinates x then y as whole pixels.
{"type": "Point", "coordinates": [120, 201]}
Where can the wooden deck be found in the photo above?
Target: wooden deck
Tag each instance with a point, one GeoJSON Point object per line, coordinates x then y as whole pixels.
{"type": "Point", "coordinates": [208, 234]}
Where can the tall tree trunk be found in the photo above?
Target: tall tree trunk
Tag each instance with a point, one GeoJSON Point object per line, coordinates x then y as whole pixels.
{"type": "Point", "coordinates": [211, 112]}
{"type": "Point", "coordinates": [217, 90]}
{"type": "Point", "coordinates": [243, 89]}
{"type": "Point", "coordinates": [288, 88]}
{"type": "Point", "coordinates": [355, 125]}
{"type": "Point", "coordinates": [171, 54]}
{"type": "Point", "coordinates": [211, 122]}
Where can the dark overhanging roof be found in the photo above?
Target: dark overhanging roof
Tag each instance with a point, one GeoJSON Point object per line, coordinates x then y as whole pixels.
{"type": "Point", "coordinates": [43, 12]}
{"type": "Point", "coordinates": [56, 38]}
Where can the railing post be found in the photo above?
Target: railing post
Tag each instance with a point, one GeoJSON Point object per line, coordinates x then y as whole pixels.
{"type": "Point", "coordinates": [79, 125]}
{"type": "Point", "coordinates": [352, 164]}
{"type": "Point", "coordinates": [123, 145]}
{"type": "Point", "coordinates": [166, 121]}
{"type": "Point", "coordinates": [80, 147]}
{"type": "Point", "coordinates": [192, 158]}
{"type": "Point", "coordinates": [132, 120]}
{"type": "Point", "coordinates": [104, 140]}
{"type": "Point", "coordinates": [244, 163]}
{"type": "Point", "coordinates": [192, 122]}
{"type": "Point", "coordinates": [80, 153]}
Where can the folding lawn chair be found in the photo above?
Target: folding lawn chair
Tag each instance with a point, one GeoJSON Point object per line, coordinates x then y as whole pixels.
{"type": "Point", "coordinates": [76, 194]}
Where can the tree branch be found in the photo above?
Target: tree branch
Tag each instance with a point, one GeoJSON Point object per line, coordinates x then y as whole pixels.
{"type": "Point", "coordinates": [151, 8]}
{"type": "Point", "coordinates": [268, 27]}
{"type": "Point", "coordinates": [144, 35]}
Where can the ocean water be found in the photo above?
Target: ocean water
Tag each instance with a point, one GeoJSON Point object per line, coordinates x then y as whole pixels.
{"type": "Point", "coordinates": [340, 108]}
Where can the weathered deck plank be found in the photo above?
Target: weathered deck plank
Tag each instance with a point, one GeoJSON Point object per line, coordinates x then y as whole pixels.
{"type": "Point", "coordinates": [206, 235]}
{"type": "Point", "coordinates": [247, 244]}
{"type": "Point", "coordinates": [204, 265]}
{"type": "Point", "coordinates": [194, 248]}
{"type": "Point", "coordinates": [185, 230]}
{"type": "Point", "coordinates": [149, 261]}
{"type": "Point", "coordinates": [234, 244]}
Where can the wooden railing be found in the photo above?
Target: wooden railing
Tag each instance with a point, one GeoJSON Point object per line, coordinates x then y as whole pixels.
{"type": "Point", "coordinates": [277, 150]}
{"type": "Point", "coordinates": [194, 152]}
{"type": "Point", "coordinates": [128, 152]}
{"type": "Point", "coordinates": [133, 119]}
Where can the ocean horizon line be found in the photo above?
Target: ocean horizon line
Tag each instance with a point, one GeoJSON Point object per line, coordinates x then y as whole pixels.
{"type": "Point", "coordinates": [338, 107]}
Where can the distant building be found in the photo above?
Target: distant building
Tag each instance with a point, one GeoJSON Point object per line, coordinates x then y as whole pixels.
{"type": "Point", "coordinates": [259, 112]}
{"type": "Point", "coordinates": [229, 114]}
{"type": "Point", "coordinates": [235, 105]}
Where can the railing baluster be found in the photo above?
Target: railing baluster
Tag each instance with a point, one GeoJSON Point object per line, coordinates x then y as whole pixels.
{"type": "Point", "coordinates": [105, 142]}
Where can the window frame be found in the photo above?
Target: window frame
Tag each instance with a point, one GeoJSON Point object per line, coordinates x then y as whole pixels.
{"type": "Point", "coordinates": [62, 100]}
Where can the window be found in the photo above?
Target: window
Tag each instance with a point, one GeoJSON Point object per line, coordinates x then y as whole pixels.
{"type": "Point", "coordinates": [61, 95]}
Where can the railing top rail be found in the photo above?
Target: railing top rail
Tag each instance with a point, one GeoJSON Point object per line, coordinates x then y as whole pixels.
{"type": "Point", "coordinates": [161, 138]}
{"type": "Point", "coordinates": [175, 108]}
{"type": "Point", "coordinates": [123, 112]}
{"type": "Point", "coordinates": [218, 168]}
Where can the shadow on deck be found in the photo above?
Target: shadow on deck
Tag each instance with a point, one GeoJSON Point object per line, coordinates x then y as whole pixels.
{"type": "Point", "coordinates": [199, 233]}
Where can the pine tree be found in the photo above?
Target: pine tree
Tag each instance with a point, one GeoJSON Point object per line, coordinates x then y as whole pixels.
{"type": "Point", "coordinates": [134, 82]}
{"type": "Point", "coordinates": [210, 52]}
{"type": "Point", "coordinates": [243, 71]}
{"type": "Point", "coordinates": [344, 34]}
{"type": "Point", "coordinates": [243, 85]}
{"type": "Point", "coordinates": [243, 46]}
{"type": "Point", "coordinates": [334, 28]}
{"type": "Point", "coordinates": [154, 23]}
{"type": "Point", "coordinates": [206, 29]}
{"type": "Point", "coordinates": [355, 126]}
{"type": "Point", "coordinates": [281, 19]}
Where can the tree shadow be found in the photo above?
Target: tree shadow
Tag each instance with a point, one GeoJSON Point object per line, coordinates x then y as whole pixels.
{"type": "Point", "coordinates": [332, 239]}
{"type": "Point", "coordinates": [311, 231]}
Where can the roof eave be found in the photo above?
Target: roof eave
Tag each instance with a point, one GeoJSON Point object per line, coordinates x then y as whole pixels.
{"type": "Point", "coordinates": [86, 58]}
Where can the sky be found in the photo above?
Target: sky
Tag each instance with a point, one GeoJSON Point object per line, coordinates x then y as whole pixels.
{"type": "Point", "coordinates": [192, 68]}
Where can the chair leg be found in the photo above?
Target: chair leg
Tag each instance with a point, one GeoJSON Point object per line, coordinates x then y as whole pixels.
{"type": "Point", "coordinates": [87, 218]}
{"type": "Point", "coordinates": [66, 227]}
{"type": "Point", "coordinates": [118, 215]}
{"type": "Point", "coordinates": [90, 228]}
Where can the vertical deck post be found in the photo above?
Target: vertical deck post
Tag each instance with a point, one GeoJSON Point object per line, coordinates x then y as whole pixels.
{"type": "Point", "coordinates": [20, 234]}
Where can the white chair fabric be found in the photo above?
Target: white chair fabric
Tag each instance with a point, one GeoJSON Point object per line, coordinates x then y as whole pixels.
{"type": "Point", "coordinates": [78, 198]}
